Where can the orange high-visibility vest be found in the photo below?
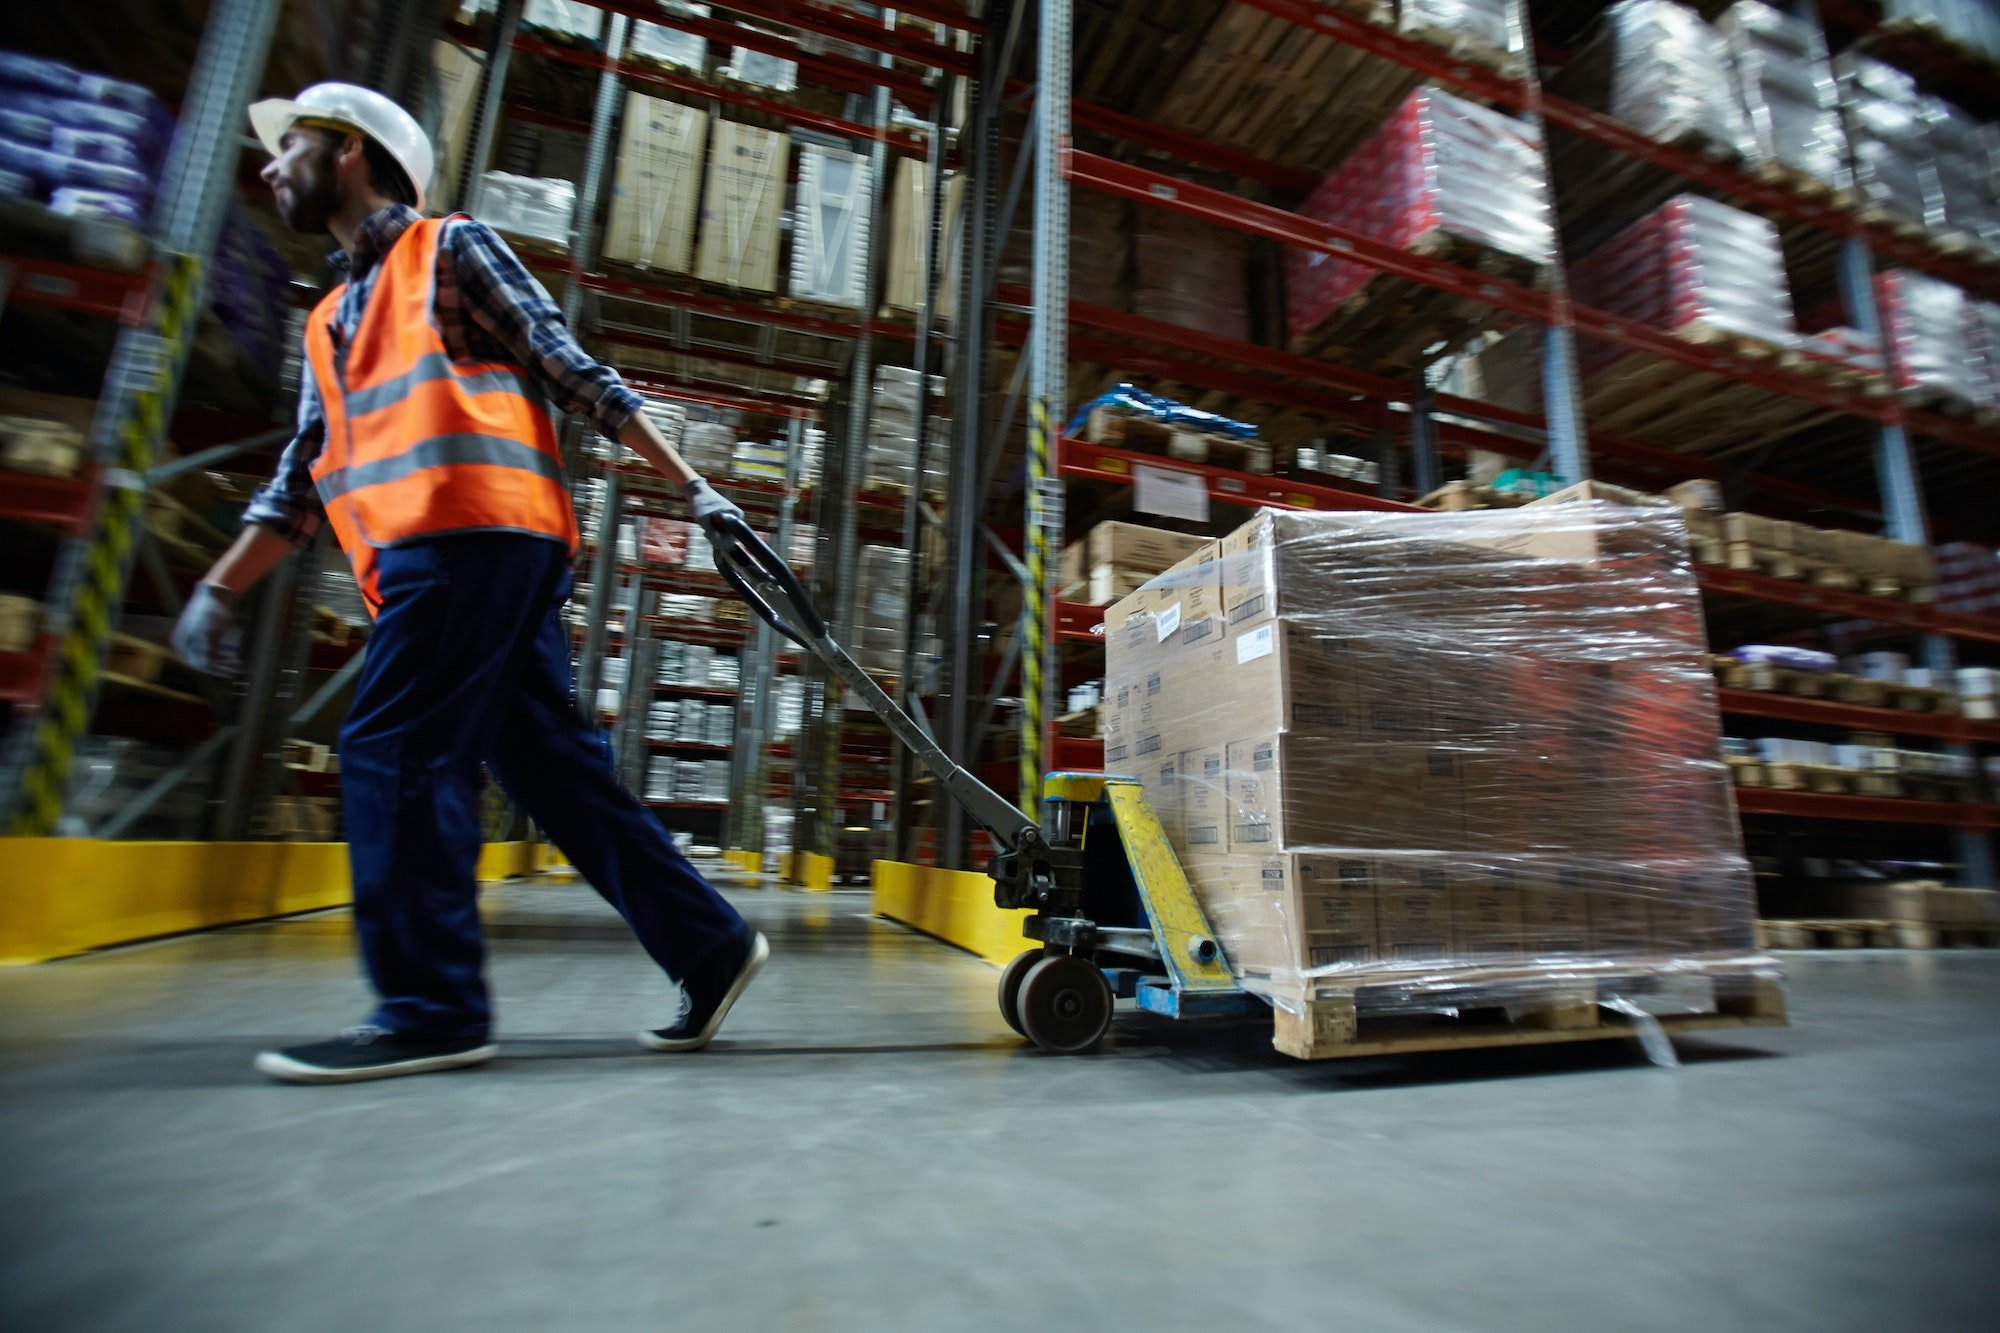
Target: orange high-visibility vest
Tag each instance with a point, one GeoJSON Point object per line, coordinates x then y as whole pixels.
{"type": "Point", "coordinates": [417, 444]}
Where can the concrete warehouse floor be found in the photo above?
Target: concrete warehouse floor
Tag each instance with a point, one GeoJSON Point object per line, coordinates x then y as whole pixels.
{"type": "Point", "coordinates": [868, 1148]}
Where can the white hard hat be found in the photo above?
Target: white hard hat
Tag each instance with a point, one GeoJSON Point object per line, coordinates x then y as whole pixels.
{"type": "Point", "coordinates": [352, 107]}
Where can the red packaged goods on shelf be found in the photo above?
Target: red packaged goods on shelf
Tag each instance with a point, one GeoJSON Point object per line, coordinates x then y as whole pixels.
{"type": "Point", "coordinates": [1968, 579]}
{"type": "Point", "coordinates": [1930, 328]}
{"type": "Point", "coordinates": [1701, 270]}
{"type": "Point", "coordinates": [1440, 169]}
{"type": "Point", "coordinates": [1446, 754]}
{"type": "Point", "coordinates": [664, 541]}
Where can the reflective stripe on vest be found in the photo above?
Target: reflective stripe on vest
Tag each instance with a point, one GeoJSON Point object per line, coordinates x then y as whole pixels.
{"type": "Point", "coordinates": [418, 445]}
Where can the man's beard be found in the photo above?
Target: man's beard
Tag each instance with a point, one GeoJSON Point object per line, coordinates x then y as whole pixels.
{"type": "Point", "coordinates": [313, 205]}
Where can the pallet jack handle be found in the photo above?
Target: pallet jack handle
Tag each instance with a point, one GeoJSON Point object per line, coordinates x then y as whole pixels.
{"type": "Point", "coordinates": [775, 593]}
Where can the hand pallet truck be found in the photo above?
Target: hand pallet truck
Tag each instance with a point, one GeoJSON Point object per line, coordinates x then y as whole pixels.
{"type": "Point", "coordinates": [1111, 908]}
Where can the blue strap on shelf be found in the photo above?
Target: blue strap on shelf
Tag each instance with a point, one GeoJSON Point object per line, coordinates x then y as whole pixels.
{"type": "Point", "coordinates": [1131, 398]}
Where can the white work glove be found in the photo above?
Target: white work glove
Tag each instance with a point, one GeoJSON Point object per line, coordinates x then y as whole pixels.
{"type": "Point", "coordinates": [708, 505]}
{"type": "Point", "coordinates": [206, 636]}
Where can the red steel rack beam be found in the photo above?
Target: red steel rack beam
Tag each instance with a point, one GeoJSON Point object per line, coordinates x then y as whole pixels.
{"type": "Point", "coordinates": [1871, 809]}
{"type": "Point", "coordinates": [833, 71]}
{"type": "Point", "coordinates": [1823, 712]}
{"type": "Point", "coordinates": [21, 673]}
{"type": "Point", "coordinates": [1852, 605]}
{"type": "Point", "coordinates": [89, 291]}
{"type": "Point", "coordinates": [728, 356]}
{"type": "Point", "coordinates": [57, 502]}
{"type": "Point", "coordinates": [748, 309]}
{"type": "Point", "coordinates": [693, 87]}
{"type": "Point", "coordinates": [1146, 134]}
{"type": "Point", "coordinates": [1101, 462]}
{"type": "Point", "coordinates": [770, 404]}
{"type": "Point", "coordinates": [851, 28]}
{"type": "Point", "coordinates": [1405, 51]}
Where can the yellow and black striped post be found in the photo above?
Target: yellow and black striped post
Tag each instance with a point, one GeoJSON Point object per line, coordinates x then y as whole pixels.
{"type": "Point", "coordinates": [1035, 610]}
{"type": "Point", "coordinates": [103, 559]}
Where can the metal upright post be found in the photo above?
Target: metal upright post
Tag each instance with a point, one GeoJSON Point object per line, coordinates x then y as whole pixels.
{"type": "Point", "coordinates": [597, 152]}
{"type": "Point", "coordinates": [274, 604]}
{"type": "Point", "coordinates": [966, 556]}
{"type": "Point", "coordinates": [492, 87]}
{"type": "Point", "coordinates": [140, 388]}
{"type": "Point", "coordinates": [1047, 346]}
{"type": "Point", "coordinates": [1426, 470]}
{"type": "Point", "coordinates": [913, 505]}
{"type": "Point", "coordinates": [751, 761]}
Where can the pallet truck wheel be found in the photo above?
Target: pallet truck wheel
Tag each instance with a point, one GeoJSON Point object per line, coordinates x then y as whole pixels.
{"type": "Point", "coordinates": [1010, 987]}
{"type": "Point", "coordinates": [1065, 1005]}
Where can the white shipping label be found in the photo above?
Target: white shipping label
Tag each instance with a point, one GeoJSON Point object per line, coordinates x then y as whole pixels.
{"type": "Point", "coordinates": [1257, 643]}
{"type": "Point", "coordinates": [1169, 621]}
{"type": "Point", "coordinates": [1169, 493]}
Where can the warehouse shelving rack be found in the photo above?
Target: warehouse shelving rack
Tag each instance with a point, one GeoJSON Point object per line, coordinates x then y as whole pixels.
{"type": "Point", "coordinates": [903, 55]}
{"type": "Point", "coordinates": [1055, 336]}
{"type": "Point", "coordinates": [54, 688]}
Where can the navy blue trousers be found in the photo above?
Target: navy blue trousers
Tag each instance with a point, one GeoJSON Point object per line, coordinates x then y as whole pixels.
{"type": "Point", "coordinates": [469, 666]}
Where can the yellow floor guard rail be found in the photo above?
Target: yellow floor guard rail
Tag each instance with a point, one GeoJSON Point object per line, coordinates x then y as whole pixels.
{"type": "Point", "coordinates": [954, 905]}
{"type": "Point", "coordinates": [63, 896]}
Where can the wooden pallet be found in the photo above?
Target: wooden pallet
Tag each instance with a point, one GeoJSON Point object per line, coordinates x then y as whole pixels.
{"type": "Point", "coordinates": [1841, 933]}
{"type": "Point", "coordinates": [1377, 1019]}
{"type": "Point", "coordinates": [1680, 407]}
{"type": "Point", "coordinates": [1455, 497]}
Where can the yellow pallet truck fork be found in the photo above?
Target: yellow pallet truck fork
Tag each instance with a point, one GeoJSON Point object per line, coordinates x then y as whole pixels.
{"type": "Point", "coordinates": [1111, 908]}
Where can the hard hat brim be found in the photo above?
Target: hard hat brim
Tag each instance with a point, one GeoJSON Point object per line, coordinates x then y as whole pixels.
{"type": "Point", "coordinates": [271, 118]}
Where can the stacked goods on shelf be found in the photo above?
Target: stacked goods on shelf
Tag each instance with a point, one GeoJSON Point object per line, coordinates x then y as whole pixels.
{"type": "Point", "coordinates": [1656, 66]}
{"type": "Point", "coordinates": [1808, 674]}
{"type": "Point", "coordinates": [1884, 135]}
{"type": "Point", "coordinates": [562, 20]}
{"type": "Point", "coordinates": [1100, 232]}
{"type": "Point", "coordinates": [1931, 327]}
{"type": "Point", "coordinates": [670, 48]}
{"type": "Point", "coordinates": [1700, 270]}
{"type": "Point", "coordinates": [79, 143]}
{"type": "Point", "coordinates": [1442, 177]}
{"type": "Point", "coordinates": [1190, 272]}
{"type": "Point", "coordinates": [742, 198]}
{"type": "Point", "coordinates": [699, 781]}
{"type": "Point", "coordinates": [1830, 557]}
{"type": "Point", "coordinates": [43, 433]}
{"type": "Point", "coordinates": [708, 446]}
{"type": "Point", "coordinates": [1867, 764]}
{"type": "Point", "coordinates": [1788, 96]}
{"type": "Point", "coordinates": [1439, 756]}
{"type": "Point", "coordinates": [534, 209]}
{"type": "Point", "coordinates": [908, 209]}
{"type": "Point", "coordinates": [1968, 579]}
{"type": "Point", "coordinates": [1908, 914]}
{"type": "Point", "coordinates": [1486, 32]}
{"type": "Point", "coordinates": [652, 218]}
{"type": "Point", "coordinates": [892, 435]}
{"type": "Point", "coordinates": [249, 290]}
{"type": "Point", "coordinates": [882, 589]}
{"type": "Point", "coordinates": [1116, 559]}
{"type": "Point", "coordinates": [1961, 207]}
{"type": "Point", "coordinates": [1978, 692]}
{"type": "Point", "coordinates": [761, 70]}
{"type": "Point", "coordinates": [756, 461]}
{"type": "Point", "coordinates": [830, 226]}
{"type": "Point", "coordinates": [457, 71]}
{"type": "Point", "coordinates": [1969, 25]}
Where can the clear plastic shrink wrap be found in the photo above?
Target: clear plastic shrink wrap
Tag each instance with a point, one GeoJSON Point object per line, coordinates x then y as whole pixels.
{"type": "Point", "coordinates": [1696, 268]}
{"type": "Point", "coordinates": [1931, 326]}
{"type": "Point", "coordinates": [1885, 135]}
{"type": "Point", "coordinates": [1485, 26]}
{"type": "Point", "coordinates": [1451, 757]}
{"type": "Point", "coordinates": [1973, 24]}
{"type": "Point", "coordinates": [1788, 92]}
{"type": "Point", "coordinates": [1656, 66]}
{"type": "Point", "coordinates": [1440, 168]}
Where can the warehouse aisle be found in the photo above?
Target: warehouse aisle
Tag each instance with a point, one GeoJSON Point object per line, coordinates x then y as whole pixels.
{"type": "Point", "coordinates": [867, 1148]}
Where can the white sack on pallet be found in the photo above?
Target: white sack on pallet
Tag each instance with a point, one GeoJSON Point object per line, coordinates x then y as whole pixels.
{"type": "Point", "coordinates": [1669, 75]}
{"type": "Point", "coordinates": [830, 226]}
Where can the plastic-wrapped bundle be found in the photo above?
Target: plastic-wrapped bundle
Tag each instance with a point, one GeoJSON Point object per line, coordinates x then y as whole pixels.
{"type": "Point", "coordinates": [709, 447]}
{"type": "Point", "coordinates": [1885, 135]}
{"type": "Point", "coordinates": [532, 206]}
{"type": "Point", "coordinates": [1983, 317]}
{"type": "Point", "coordinates": [1440, 168]}
{"type": "Point", "coordinates": [875, 639]}
{"type": "Point", "coordinates": [1959, 188]}
{"type": "Point", "coordinates": [1789, 96]}
{"type": "Point", "coordinates": [563, 18]}
{"type": "Point", "coordinates": [1189, 272]}
{"type": "Point", "coordinates": [1664, 72]}
{"type": "Point", "coordinates": [1440, 755]}
{"type": "Point", "coordinates": [892, 434]}
{"type": "Point", "coordinates": [1482, 29]}
{"type": "Point", "coordinates": [1696, 268]}
{"type": "Point", "coordinates": [766, 71]}
{"type": "Point", "coordinates": [830, 225]}
{"type": "Point", "coordinates": [788, 717]}
{"type": "Point", "coordinates": [670, 46]}
{"type": "Point", "coordinates": [1930, 328]}
{"type": "Point", "coordinates": [1967, 23]}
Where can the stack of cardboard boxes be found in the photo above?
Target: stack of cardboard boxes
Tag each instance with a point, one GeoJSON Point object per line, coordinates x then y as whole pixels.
{"type": "Point", "coordinates": [1435, 745]}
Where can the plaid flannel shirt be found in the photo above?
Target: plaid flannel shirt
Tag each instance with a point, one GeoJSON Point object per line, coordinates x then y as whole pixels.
{"type": "Point", "coordinates": [489, 308]}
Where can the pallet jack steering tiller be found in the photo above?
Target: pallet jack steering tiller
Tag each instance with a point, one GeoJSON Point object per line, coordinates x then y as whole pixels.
{"type": "Point", "coordinates": [1114, 914]}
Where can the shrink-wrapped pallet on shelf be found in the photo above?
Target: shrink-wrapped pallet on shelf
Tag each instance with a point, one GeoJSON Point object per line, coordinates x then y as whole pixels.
{"type": "Point", "coordinates": [1960, 201]}
{"type": "Point", "coordinates": [1983, 317]}
{"type": "Point", "coordinates": [1971, 25]}
{"type": "Point", "coordinates": [892, 434]}
{"type": "Point", "coordinates": [830, 225]}
{"type": "Point", "coordinates": [708, 446]}
{"type": "Point", "coordinates": [1885, 138]}
{"type": "Point", "coordinates": [1789, 96]}
{"type": "Point", "coordinates": [651, 222]}
{"type": "Point", "coordinates": [1700, 270]}
{"type": "Point", "coordinates": [1656, 66]}
{"type": "Point", "coordinates": [672, 47]}
{"type": "Point", "coordinates": [742, 197]}
{"type": "Point", "coordinates": [1439, 174]}
{"type": "Point", "coordinates": [532, 208]}
{"type": "Point", "coordinates": [1931, 331]}
{"type": "Point", "coordinates": [1442, 759]}
{"type": "Point", "coordinates": [882, 581]}
{"type": "Point", "coordinates": [1486, 31]}
{"type": "Point", "coordinates": [1190, 272]}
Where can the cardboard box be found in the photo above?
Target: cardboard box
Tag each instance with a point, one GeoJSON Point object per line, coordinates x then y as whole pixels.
{"type": "Point", "coordinates": [458, 72]}
{"type": "Point", "coordinates": [742, 197]}
{"type": "Point", "coordinates": [1555, 913]}
{"type": "Point", "coordinates": [651, 222]}
{"type": "Point", "coordinates": [1414, 905]}
{"type": "Point", "coordinates": [1768, 534]}
{"type": "Point", "coordinates": [1116, 559]}
{"type": "Point", "coordinates": [1619, 921]}
{"type": "Point", "coordinates": [1487, 920]}
{"type": "Point", "coordinates": [909, 219]}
